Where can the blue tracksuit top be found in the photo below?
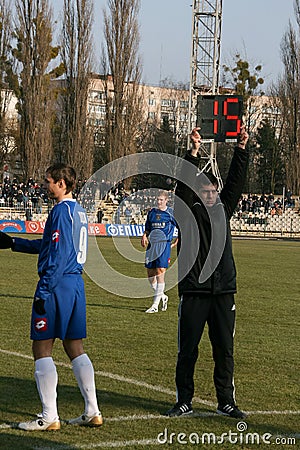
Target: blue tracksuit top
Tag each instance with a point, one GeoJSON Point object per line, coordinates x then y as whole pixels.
{"type": "Point", "coordinates": [63, 248]}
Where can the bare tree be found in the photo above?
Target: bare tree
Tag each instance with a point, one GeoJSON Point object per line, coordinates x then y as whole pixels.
{"type": "Point", "coordinates": [174, 114]}
{"type": "Point", "coordinates": [122, 65]}
{"type": "Point", "coordinates": [246, 81]}
{"type": "Point", "coordinates": [288, 90]}
{"type": "Point", "coordinates": [269, 160]}
{"type": "Point", "coordinates": [8, 125]}
{"type": "Point", "coordinates": [75, 144]}
{"type": "Point", "coordinates": [34, 54]}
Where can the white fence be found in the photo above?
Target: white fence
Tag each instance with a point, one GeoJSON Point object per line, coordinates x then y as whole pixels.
{"type": "Point", "coordinates": [287, 224]}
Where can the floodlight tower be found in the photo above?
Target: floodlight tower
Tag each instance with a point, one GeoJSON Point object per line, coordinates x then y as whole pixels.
{"type": "Point", "coordinates": [204, 67]}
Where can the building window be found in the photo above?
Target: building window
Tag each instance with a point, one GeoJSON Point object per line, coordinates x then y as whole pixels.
{"type": "Point", "coordinates": [151, 115]}
{"type": "Point", "coordinates": [152, 101]}
{"type": "Point", "coordinates": [167, 102]}
{"type": "Point", "coordinates": [96, 95]}
{"type": "Point", "coordinates": [98, 109]}
{"type": "Point", "coordinates": [269, 110]}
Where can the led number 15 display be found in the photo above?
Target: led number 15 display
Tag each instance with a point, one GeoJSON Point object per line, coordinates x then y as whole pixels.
{"type": "Point", "coordinates": [219, 117]}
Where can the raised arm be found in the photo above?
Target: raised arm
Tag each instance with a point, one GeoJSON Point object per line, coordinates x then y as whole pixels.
{"type": "Point", "coordinates": [187, 175]}
{"type": "Point", "coordinates": [235, 180]}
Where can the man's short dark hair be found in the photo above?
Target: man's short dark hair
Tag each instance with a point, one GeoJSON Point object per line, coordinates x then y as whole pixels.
{"type": "Point", "coordinates": [205, 178]}
{"type": "Point", "coordinates": [61, 171]}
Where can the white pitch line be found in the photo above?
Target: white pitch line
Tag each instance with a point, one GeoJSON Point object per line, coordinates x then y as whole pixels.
{"type": "Point", "coordinates": [121, 378]}
{"type": "Point", "coordinates": [132, 418]}
{"type": "Point", "coordinates": [111, 444]}
{"type": "Point", "coordinates": [121, 444]}
{"type": "Point", "coordinates": [135, 417]}
{"type": "Point", "coordinates": [4, 426]}
{"type": "Point", "coordinates": [195, 414]}
{"type": "Point", "coordinates": [21, 355]}
{"type": "Point", "coordinates": [287, 412]}
{"type": "Point", "coordinates": [116, 444]}
{"type": "Point", "coordinates": [150, 387]}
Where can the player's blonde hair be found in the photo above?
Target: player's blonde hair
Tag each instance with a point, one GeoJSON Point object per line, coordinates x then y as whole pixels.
{"type": "Point", "coordinates": [163, 193]}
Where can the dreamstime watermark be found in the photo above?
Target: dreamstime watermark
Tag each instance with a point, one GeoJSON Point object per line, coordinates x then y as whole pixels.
{"type": "Point", "coordinates": [238, 436]}
{"type": "Point", "coordinates": [170, 166]}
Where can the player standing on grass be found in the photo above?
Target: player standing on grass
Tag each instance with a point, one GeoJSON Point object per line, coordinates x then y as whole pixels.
{"type": "Point", "coordinates": [157, 237]}
{"type": "Point", "coordinates": [207, 280]}
{"type": "Point", "coordinates": [59, 306]}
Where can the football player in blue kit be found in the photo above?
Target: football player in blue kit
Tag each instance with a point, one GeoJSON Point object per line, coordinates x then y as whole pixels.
{"type": "Point", "coordinates": [59, 306]}
{"type": "Point", "coordinates": [157, 238]}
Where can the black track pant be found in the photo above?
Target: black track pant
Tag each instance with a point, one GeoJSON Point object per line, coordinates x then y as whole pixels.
{"type": "Point", "coordinates": [218, 311]}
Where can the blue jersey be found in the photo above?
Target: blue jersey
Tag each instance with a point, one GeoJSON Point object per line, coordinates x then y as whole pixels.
{"type": "Point", "coordinates": [160, 224]}
{"type": "Point", "coordinates": [159, 227]}
{"type": "Point", "coordinates": [63, 248]}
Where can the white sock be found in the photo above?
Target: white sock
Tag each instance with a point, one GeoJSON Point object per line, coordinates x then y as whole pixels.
{"type": "Point", "coordinates": [154, 285]}
{"type": "Point", "coordinates": [159, 292]}
{"type": "Point", "coordinates": [84, 373]}
{"type": "Point", "coordinates": [46, 380]}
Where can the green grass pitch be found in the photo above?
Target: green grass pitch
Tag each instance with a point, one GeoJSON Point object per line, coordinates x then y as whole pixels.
{"type": "Point", "coordinates": [134, 356]}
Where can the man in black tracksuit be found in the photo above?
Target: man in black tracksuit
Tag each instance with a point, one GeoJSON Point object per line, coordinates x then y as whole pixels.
{"type": "Point", "coordinates": [207, 275]}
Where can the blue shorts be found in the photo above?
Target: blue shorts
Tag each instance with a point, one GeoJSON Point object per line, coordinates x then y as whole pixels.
{"type": "Point", "coordinates": [65, 316]}
{"type": "Point", "coordinates": [158, 255]}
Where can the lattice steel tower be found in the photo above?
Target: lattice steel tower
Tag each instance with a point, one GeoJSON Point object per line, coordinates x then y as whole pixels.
{"type": "Point", "coordinates": [205, 67]}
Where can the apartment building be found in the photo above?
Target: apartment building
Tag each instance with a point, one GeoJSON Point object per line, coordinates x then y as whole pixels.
{"type": "Point", "coordinates": [171, 104]}
{"type": "Point", "coordinates": [160, 104]}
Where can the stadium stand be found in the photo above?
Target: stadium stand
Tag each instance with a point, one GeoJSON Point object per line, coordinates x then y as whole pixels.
{"type": "Point", "coordinates": [266, 224]}
{"type": "Point", "coordinates": [256, 215]}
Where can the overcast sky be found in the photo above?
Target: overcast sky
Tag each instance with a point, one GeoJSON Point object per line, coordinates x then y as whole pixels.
{"type": "Point", "coordinates": [252, 28]}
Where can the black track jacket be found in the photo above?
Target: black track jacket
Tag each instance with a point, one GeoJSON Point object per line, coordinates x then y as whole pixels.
{"type": "Point", "coordinates": [197, 258]}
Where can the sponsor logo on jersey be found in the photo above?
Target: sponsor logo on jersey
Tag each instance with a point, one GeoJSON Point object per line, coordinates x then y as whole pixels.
{"type": "Point", "coordinates": [55, 236]}
{"type": "Point", "coordinates": [40, 325]}
{"type": "Point", "coordinates": [158, 225]}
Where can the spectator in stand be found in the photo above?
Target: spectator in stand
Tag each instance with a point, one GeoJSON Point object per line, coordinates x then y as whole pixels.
{"type": "Point", "coordinates": [127, 214]}
{"type": "Point", "coordinates": [39, 205]}
{"type": "Point", "coordinates": [28, 213]}
{"type": "Point", "coordinates": [102, 189]}
{"type": "Point", "coordinates": [261, 202]}
{"type": "Point", "coordinates": [289, 201]}
{"type": "Point", "coordinates": [255, 203]}
{"type": "Point", "coordinates": [100, 215]}
{"type": "Point", "coordinates": [20, 198]}
{"type": "Point", "coordinates": [270, 201]}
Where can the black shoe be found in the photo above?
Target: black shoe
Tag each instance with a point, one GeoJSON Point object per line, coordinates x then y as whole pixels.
{"type": "Point", "coordinates": [180, 409]}
{"type": "Point", "coordinates": [231, 410]}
